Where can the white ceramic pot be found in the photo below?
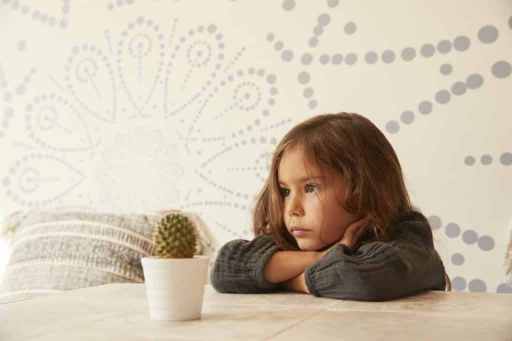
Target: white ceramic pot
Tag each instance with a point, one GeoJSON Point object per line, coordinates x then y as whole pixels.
{"type": "Point", "coordinates": [175, 287]}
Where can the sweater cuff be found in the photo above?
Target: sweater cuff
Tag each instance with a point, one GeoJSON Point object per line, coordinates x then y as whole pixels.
{"type": "Point", "coordinates": [261, 262]}
{"type": "Point", "coordinates": [311, 273]}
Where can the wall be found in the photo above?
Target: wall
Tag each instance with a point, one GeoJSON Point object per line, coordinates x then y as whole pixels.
{"type": "Point", "coordinates": [134, 105]}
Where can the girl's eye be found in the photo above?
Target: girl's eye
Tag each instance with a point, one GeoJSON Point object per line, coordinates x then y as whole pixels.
{"type": "Point", "coordinates": [308, 188]}
{"type": "Point", "coordinates": [284, 191]}
{"type": "Point", "coordinates": [311, 188]}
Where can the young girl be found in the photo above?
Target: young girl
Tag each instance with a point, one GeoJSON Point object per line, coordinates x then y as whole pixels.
{"type": "Point", "coordinates": [334, 220]}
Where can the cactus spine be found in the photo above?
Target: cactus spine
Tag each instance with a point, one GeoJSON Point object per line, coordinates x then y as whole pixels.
{"type": "Point", "coordinates": [174, 237]}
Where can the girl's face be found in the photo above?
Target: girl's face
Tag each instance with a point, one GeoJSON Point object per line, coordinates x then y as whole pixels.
{"type": "Point", "coordinates": [313, 202]}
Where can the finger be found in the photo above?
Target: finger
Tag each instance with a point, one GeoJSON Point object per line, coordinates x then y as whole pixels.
{"type": "Point", "coordinates": [361, 230]}
{"type": "Point", "coordinates": [354, 227]}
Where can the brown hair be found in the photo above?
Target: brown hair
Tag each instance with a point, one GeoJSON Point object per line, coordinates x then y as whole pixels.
{"type": "Point", "coordinates": [352, 146]}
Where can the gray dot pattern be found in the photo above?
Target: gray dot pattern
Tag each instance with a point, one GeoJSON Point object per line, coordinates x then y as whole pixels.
{"type": "Point", "coordinates": [350, 59]}
{"type": "Point", "coordinates": [7, 112]}
{"type": "Point", "coordinates": [469, 237]}
{"type": "Point", "coordinates": [278, 45]}
{"type": "Point", "coordinates": [407, 117]}
{"type": "Point", "coordinates": [306, 59]}
{"type": "Point", "coordinates": [49, 115]}
{"type": "Point", "coordinates": [392, 127]}
{"type": "Point", "coordinates": [504, 288]}
{"type": "Point", "coordinates": [50, 19]}
{"type": "Point", "coordinates": [425, 107]}
{"type": "Point", "coordinates": [435, 222]}
{"type": "Point", "coordinates": [304, 77]}
{"type": "Point", "coordinates": [119, 4]}
{"type": "Point", "coordinates": [477, 285]}
{"type": "Point", "coordinates": [408, 54]}
{"type": "Point", "coordinates": [442, 97]}
{"type": "Point", "coordinates": [444, 46]}
{"type": "Point", "coordinates": [318, 30]}
{"type": "Point", "coordinates": [287, 55]}
{"type": "Point", "coordinates": [461, 43]}
{"type": "Point", "coordinates": [452, 230]}
{"type": "Point", "coordinates": [324, 19]}
{"type": "Point", "coordinates": [337, 59]}
{"type": "Point", "coordinates": [427, 50]}
{"type": "Point", "coordinates": [27, 180]}
{"type": "Point", "coordinates": [469, 160]}
{"type": "Point", "coordinates": [459, 283]}
{"type": "Point", "coordinates": [486, 243]}
{"type": "Point", "coordinates": [457, 259]}
{"type": "Point", "coordinates": [371, 57]}
{"type": "Point", "coordinates": [474, 81]}
{"type": "Point", "coordinates": [506, 159]}
{"type": "Point", "coordinates": [350, 28]}
{"type": "Point", "coordinates": [486, 159]}
{"type": "Point", "coordinates": [199, 52]}
{"type": "Point", "coordinates": [288, 5]}
{"type": "Point", "coordinates": [251, 82]}
{"type": "Point", "coordinates": [22, 45]}
{"type": "Point", "coordinates": [458, 88]}
{"type": "Point", "coordinates": [488, 34]}
{"type": "Point", "coordinates": [388, 56]}
{"type": "Point", "coordinates": [332, 3]}
{"type": "Point", "coordinates": [324, 59]}
{"type": "Point", "coordinates": [308, 92]}
{"type": "Point", "coordinates": [446, 69]}
{"type": "Point", "coordinates": [501, 69]}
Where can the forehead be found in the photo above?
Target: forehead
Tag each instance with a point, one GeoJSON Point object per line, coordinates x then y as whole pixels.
{"type": "Point", "coordinates": [294, 166]}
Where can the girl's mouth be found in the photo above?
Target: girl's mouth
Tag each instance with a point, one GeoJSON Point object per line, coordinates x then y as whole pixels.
{"type": "Point", "coordinates": [299, 232]}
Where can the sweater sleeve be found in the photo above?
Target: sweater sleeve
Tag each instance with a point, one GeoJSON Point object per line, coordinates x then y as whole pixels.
{"type": "Point", "coordinates": [379, 271]}
{"type": "Point", "coordinates": [240, 263]}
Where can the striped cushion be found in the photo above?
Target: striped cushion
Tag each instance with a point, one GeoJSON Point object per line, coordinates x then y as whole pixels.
{"type": "Point", "coordinates": [52, 251]}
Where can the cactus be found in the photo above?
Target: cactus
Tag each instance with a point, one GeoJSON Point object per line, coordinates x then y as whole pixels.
{"type": "Point", "coordinates": [174, 237]}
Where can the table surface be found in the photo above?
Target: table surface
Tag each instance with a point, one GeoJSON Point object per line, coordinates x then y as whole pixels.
{"type": "Point", "coordinates": [120, 312]}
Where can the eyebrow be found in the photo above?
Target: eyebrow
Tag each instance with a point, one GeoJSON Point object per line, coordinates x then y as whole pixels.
{"type": "Point", "coordinates": [305, 179]}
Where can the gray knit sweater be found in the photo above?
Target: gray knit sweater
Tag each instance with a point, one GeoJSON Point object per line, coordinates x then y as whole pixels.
{"type": "Point", "coordinates": [376, 271]}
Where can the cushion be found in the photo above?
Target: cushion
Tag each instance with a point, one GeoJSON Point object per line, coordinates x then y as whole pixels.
{"type": "Point", "coordinates": [52, 251]}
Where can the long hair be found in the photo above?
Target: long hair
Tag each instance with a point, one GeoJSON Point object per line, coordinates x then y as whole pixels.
{"type": "Point", "coordinates": [353, 147]}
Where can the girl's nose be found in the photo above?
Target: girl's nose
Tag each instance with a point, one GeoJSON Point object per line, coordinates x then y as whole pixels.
{"type": "Point", "coordinates": [295, 208]}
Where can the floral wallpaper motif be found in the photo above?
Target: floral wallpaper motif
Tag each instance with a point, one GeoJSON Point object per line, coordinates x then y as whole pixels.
{"type": "Point", "coordinates": [137, 106]}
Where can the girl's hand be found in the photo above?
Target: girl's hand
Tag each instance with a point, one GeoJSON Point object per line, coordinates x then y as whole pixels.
{"type": "Point", "coordinates": [354, 232]}
{"type": "Point", "coordinates": [352, 235]}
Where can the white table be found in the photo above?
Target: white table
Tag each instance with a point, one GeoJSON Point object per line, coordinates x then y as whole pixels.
{"type": "Point", "coordinates": [119, 312]}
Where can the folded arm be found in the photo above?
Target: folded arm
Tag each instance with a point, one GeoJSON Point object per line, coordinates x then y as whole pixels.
{"type": "Point", "coordinates": [379, 271]}
{"type": "Point", "coordinates": [259, 265]}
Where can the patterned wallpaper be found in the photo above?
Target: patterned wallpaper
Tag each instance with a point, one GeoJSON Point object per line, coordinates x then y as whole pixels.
{"type": "Point", "coordinates": [135, 106]}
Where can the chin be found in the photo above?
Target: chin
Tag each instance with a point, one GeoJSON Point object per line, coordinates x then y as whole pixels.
{"type": "Point", "coordinates": [305, 246]}
{"type": "Point", "coordinates": [313, 246]}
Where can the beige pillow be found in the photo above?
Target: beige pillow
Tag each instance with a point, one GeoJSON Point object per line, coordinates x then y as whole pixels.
{"type": "Point", "coordinates": [52, 251]}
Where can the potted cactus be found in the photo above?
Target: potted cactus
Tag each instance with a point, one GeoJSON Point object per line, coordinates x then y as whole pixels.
{"type": "Point", "coordinates": [174, 276]}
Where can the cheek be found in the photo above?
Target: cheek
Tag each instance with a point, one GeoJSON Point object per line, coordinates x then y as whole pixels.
{"type": "Point", "coordinates": [337, 219]}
